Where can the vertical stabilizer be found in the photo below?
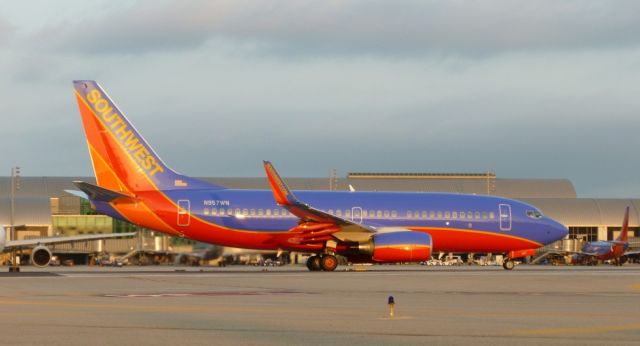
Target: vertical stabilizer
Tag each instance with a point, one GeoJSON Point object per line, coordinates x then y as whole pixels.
{"type": "Point", "coordinates": [122, 160]}
{"type": "Point", "coordinates": [624, 235]}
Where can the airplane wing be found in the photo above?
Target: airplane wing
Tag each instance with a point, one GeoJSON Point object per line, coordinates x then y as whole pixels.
{"type": "Point", "coordinates": [57, 240]}
{"type": "Point", "coordinates": [307, 214]}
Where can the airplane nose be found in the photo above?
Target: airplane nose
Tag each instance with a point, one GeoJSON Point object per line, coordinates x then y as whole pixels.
{"type": "Point", "coordinates": [557, 230]}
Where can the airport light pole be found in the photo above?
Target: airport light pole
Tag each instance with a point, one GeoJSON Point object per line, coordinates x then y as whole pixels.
{"type": "Point", "coordinates": [15, 186]}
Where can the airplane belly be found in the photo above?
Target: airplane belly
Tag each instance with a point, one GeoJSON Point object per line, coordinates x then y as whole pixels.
{"type": "Point", "coordinates": [453, 240]}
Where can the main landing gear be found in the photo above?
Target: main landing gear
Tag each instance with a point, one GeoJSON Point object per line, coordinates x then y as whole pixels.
{"type": "Point", "coordinates": [324, 262]}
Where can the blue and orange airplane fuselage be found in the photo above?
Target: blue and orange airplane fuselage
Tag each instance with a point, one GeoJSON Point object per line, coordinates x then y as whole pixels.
{"type": "Point", "coordinates": [251, 218]}
{"type": "Point", "coordinates": [134, 184]}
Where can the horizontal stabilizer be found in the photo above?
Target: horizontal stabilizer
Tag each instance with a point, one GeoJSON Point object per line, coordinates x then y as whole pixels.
{"type": "Point", "coordinates": [77, 193]}
{"type": "Point", "coordinates": [97, 193]}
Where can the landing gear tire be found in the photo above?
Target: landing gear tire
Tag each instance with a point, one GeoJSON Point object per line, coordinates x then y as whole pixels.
{"type": "Point", "coordinates": [313, 263]}
{"type": "Point", "coordinates": [329, 263]}
{"type": "Point", "coordinates": [508, 265]}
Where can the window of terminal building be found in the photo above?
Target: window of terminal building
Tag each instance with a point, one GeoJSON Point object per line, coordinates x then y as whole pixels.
{"type": "Point", "coordinates": [614, 232]}
{"type": "Point", "coordinates": [589, 233]}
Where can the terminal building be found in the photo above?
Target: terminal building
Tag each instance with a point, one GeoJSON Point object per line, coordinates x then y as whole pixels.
{"type": "Point", "coordinates": [43, 208]}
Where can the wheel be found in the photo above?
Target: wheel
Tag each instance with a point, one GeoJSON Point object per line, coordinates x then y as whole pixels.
{"type": "Point", "coordinates": [313, 263]}
{"type": "Point", "coordinates": [508, 265]}
{"type": "Point", "coordinates": [329, 263]}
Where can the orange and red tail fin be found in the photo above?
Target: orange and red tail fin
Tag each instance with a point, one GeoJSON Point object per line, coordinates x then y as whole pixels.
{"type": "Point", "coordinates": [122, 160]}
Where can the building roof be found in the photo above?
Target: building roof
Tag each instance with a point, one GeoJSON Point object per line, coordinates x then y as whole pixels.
{"type": "Point", "coordinates": [510, 188]}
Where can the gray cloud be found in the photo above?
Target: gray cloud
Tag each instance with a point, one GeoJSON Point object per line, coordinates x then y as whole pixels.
{"type": "Point", "coordinates": [402, 28]}
{"type": "Point", "coordinates": [6, 31]}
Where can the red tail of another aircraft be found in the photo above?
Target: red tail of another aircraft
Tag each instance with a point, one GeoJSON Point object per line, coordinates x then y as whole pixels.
{"type": "Point", "coordinates": [623, 237]}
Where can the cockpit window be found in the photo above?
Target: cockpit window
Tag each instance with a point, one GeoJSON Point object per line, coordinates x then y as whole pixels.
{"type": "Point", "coordinates": [534, 214]}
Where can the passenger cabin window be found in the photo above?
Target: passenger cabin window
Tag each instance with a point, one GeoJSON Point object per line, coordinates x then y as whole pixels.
{"type": "Point", "coordinates": [214, 211]}
{"type": "Point", "coordinates": [394, 213]}
{"type": "Point", "coordinates": [206, 211]}
{"type": "Point", "coordinates": [492, 215]}
{"type": "Point", "coordinates": [409, 215]}
{"type": "Point", "coordinates": [534, 214]}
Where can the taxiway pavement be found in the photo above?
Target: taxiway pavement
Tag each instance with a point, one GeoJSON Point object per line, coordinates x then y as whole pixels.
{"type": "Point", "coordinates": [531, 305]}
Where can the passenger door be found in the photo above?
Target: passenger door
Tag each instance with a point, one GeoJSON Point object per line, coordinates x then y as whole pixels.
{"type": "Point", "coordinates": [504, 214]}
{"type": "Point", "coordinates": [184, 212]}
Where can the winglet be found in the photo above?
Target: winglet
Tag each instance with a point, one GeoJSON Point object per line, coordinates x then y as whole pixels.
{"type": "Point", "coordinates": [280, 190]}
{"type": "Point", "coordinates": [625, 227]}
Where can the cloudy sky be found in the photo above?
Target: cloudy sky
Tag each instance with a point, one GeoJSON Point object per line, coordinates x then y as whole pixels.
{"type": "Point", "coordinates": [531, 89]}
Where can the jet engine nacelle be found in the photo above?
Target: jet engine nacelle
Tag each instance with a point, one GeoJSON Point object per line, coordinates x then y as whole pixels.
{"type": "Point", "coordinates": [402, 246]}
{"type": "Point", "coordinates": [40, 256]}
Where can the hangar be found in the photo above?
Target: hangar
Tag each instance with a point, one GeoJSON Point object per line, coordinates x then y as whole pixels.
{"type": "Point", "coordinates": [45, 209]}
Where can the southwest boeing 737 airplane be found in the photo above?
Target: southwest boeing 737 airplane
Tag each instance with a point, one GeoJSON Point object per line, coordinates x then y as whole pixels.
{"type": "Point", "coordinates": [616, 251]}
{"type": "Point", "coordinates": [135, 185]}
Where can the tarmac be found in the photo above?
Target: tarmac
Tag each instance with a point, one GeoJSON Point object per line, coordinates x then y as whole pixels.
{"type": "Point", "coordinates": [530, 305]}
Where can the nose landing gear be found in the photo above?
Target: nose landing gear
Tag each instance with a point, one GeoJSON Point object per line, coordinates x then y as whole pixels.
{"type": "Point", "coordinates": [508, 264]}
